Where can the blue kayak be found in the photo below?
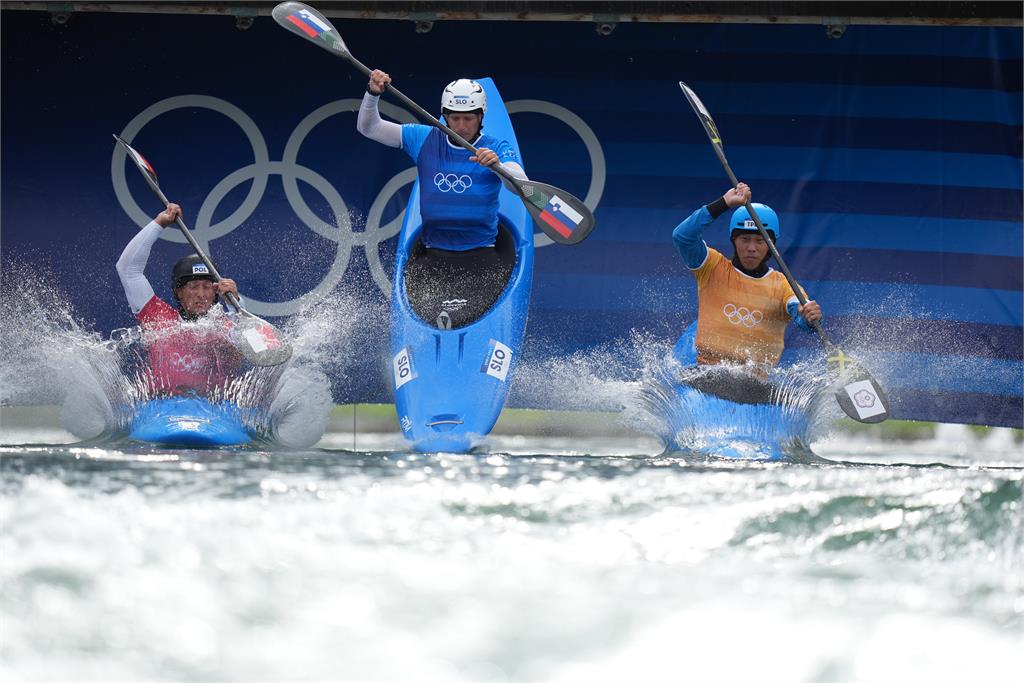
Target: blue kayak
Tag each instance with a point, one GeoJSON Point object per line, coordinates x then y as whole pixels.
{"type": "Point", "coordinates": [721, 412]}
{"type": "Point", "coordinates": [709, 425]}
{"type": "Point", "coordinates": [451, 376]}
{"type": "Point", "coordinates": [189, 422]}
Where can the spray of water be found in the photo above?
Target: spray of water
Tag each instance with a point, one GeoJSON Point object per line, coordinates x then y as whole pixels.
{"type": "Point", "coordinates": [639, 379]}
{"type": "Point", "coordinates": [121, 368]}
{"type": "Point", "coordinates": [600, 378]}
{"type": "Point", "coordinates": [695, 414]}
{"type": "Point", "coordinates": [46, 354]}
{"type": "Point", "coordinates": [49, 356]}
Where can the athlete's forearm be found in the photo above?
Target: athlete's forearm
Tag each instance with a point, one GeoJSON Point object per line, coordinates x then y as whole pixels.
{"type": "Point", "coordinates": [688, 235]}
{"type": "Point", "coordinates": [514, 170]}
{"type": "Point", "coordinates": [370, 124]}
{"type": "Point", "coordinates": [131, 266]}
{"type": "Point", "coordinates": [687, 238]}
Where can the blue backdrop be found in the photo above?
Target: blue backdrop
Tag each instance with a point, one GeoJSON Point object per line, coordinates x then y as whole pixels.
{"type": "Point", "coordinates": [893, 156]}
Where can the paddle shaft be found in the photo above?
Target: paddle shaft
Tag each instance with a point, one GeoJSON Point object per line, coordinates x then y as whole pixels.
{"type": "Point", "coordinates": [771, 245]}
{"type": "Point", "coordinates": [462, 142]}
{"type": "Point", "coordinates": [230, 296]}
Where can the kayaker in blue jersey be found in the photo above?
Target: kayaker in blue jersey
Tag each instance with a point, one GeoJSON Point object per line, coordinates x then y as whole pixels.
{"type": "Point", "coordinates": [462, 261]}
{"type": "Point", "coordinates": [744, 305]}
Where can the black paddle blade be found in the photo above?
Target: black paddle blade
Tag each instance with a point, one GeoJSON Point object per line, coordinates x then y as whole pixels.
{"type": "Point", "coordinates": [859, 395]}
{"type": "Point", "coordinates": [259, 341]}
{"type": "Point", "coordinates": [303, 20]}
{"type": "Point", "coordinates": [702, 113]}
{"type": "Point", "coordinates": [140, 161]}
{"type": "Point", "coordinates": [562, 217]}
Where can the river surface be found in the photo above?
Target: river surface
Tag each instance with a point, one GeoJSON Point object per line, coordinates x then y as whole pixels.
{"type": "Point", "coordinates": [542, 559]}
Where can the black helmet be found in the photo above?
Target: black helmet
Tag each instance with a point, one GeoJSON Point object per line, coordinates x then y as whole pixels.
{"type": "Point", "coordinates": [188, 269]}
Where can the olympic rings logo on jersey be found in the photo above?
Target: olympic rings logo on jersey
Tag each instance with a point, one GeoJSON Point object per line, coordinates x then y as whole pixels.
{"type": "Point", "coordinates": [187, 362]}
{"type": "Point", "coordinates": [341, 232]}
{"type": "Point", "coordinates": [453, 183]}
{"type": "Point", "coordinates": [742, 315]}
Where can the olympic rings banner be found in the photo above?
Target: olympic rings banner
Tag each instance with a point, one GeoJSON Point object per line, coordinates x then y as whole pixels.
{"type": "Point", "coordinates": [892, 155]}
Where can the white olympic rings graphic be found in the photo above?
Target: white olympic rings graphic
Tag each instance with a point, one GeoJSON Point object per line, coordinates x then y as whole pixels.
{"type": "Point", "coordinates": [453, 183]}
{"type": "Point", "coordinates": [341, 232]}
{"type": "Point", "coordinates": [187, 362]}
{"type": "Point", "coordinates": [742, 315]}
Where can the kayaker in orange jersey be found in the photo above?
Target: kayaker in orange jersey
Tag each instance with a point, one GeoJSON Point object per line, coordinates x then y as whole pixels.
{"type": "Point", "coordinates": [744, 305]}
{"type": "Point", "coordinates": [188, 350]}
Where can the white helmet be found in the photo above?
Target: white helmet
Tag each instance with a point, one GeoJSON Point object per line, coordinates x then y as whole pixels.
{"type": "Point", "coordinates": [464, 95]}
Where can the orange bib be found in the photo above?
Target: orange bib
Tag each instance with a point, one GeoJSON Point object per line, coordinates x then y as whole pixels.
{"type": "Point", "coordinates": [741, 319]}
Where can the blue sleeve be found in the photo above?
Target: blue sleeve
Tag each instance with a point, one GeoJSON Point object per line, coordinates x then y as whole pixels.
{"type": "Point", "coordinates": [413, 137]}
{"type": "Point", "coordinates": [688, 240]}
{"type": "Point", "coordinates": [506, 152]}
{"type": "Point", "coordinates": [791, 308]}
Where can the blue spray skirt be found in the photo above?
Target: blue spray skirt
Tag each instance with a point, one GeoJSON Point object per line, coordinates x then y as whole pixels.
{"type": "Point", "coordinates": [191, 422]}
{"type": "Point", "coordinates": [451, 384]}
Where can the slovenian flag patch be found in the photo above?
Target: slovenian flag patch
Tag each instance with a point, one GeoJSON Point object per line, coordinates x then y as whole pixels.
{"type": "Point", "coordinates": [308, 23]}
{"type": "Point", "coordinates": [141, 162]}
{"type": "Point", "coordinates": [560, 216]}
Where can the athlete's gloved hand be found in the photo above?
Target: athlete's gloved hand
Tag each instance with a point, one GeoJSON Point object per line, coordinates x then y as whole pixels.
{"type": "Point", "coordinates": [167, 216]}
{"type": "Point", "coordinates": [378, 82]}
{"type": "Point", "coordinates": [737, 196]}
{"type": "Point", "coordinates": [810, 311]}
{"type": "Point", "coordinates": [485, 157]}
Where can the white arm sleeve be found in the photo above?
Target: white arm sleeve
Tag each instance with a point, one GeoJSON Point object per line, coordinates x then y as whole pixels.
{"type": "Point", "coordinates": [132, 263]}
{"type": "Point", "coordinates": [515, 170]}
{"type": "Point", "coordinates": [374, 127]}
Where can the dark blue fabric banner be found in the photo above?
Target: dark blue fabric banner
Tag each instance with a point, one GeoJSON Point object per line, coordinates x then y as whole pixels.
{"type": "Point", "coordinates": [892, 155]}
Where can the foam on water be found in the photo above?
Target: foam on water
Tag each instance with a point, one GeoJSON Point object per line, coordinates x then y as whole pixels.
{"type": "Point", "coordinates": [129, 565]}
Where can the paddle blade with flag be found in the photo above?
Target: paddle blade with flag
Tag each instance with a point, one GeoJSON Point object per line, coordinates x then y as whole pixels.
{"type": "Point", "coordinates": [305, 21]}
{"type": "Point", "coordinates": [144, 166]}
{"type": "Point", "coordinates": [562, 217]}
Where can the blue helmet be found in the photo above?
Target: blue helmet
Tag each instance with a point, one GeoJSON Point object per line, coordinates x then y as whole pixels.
{"type": "Point", "coordinates": [741, 219]}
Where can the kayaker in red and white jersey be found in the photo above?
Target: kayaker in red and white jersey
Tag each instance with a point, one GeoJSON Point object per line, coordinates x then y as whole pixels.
{"type": "Point", "coordinates": [188, 349]}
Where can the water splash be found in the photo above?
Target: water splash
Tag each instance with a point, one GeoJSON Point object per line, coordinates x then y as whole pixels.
{"type": "Point", "coordinates": [49, 356]}
{"type": "Point", "coordinates": [44, 348]}
{"type": "Point", "coordinates": [694, 416]}
{"type": "Point", "coordinates": [601, 378]}
{"type": "Point", "coordinates": [122, 370]}
{"type": "Point", "coordinates": [639, 379]}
